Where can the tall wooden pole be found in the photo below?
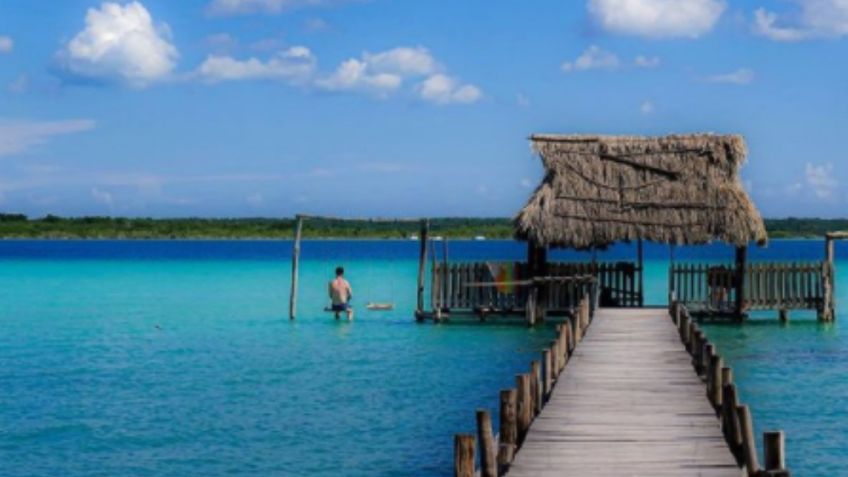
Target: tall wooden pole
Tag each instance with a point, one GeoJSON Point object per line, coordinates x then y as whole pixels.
{"type": "Point", "coordinates": [741, 258]}
{"type": "Point", "coordinates": [295, 265]}
{"type": "Point", "coordinates": [422, 263]}
{"type": "Point", "coordinates": [829, 305]}
{"type": "Point", "coordinates": [640, 252]}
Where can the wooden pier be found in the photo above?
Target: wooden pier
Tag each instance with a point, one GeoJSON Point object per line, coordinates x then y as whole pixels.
{"type": "Point", "coordinates": [635, 394]}
{"type": "Point", "coordinates": [629, 404]}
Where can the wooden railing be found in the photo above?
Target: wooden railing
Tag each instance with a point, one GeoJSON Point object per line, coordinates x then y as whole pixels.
{"type": "Point", "coordinates": [520, 405]}
{"type": "Point", "coordinates": [767, 286]}
{"type": "Point", "coordinates": [457, 286]}
{"type": "Point", "coordinates": [735, 418]}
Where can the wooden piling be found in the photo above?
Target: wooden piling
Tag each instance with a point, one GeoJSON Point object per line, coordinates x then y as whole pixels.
{"type": "Point", "coordinates": [422, 263]}
{"type": "Point", "coordinates": [488, 450]}
{"type": "Point", "coordinates": [463, 455]}
{"type": "Point", "coordinates": [508, 427]}
{"type": "Point", "coordinates": [749, 446]}
{"type": "Point", "coordinates": [783, 315]}
{"type": "Point", "coordinates": [726, 376]}
{"type": "Point", "coordinates": [730, 422]}
{"type": "Point", "coordinates": [554, 351]}
{"type": "Point", "coordinates": [547, 375]}
{"type": "Point", "coordinates": [536, 387]}
{"type": "Point", "coordinates": [295, 266]}
{"type": "Point", "coordinates": [774, 448]}
{"type": "Point", "coordinates": [715, 381]}
{"type": "Point", "coordinates": [525, 404]}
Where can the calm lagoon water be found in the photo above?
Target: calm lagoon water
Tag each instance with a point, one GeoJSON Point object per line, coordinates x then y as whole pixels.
{"type": "Point", "coordinates": [148, 358]}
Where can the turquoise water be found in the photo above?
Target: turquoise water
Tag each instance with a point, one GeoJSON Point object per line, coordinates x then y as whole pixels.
{"type": "Point", "coordinates": [177, 358]}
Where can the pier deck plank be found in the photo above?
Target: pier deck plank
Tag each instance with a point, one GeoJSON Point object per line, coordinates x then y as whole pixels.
{"type": "Point", "coordinates": [628, 404]}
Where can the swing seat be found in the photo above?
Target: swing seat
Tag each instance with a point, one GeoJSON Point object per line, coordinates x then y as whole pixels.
{"type": "Point", "coordinates": [329, 309]}
{"type": "Point", "coordinates": [380, 306]}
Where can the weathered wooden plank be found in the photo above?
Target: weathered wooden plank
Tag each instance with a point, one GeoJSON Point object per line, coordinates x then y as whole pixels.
{"type": "Point", "coordinates": [628, 404]}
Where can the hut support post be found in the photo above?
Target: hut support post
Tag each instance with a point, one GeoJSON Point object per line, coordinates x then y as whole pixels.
{"type": "Point", "coordinates": [537, 264]}
{"type": "Point", "coordinates": [640, 258]}
{"type": "Point", "coordinates": [741, 259]}
{"type": "Point", "coordinates": [422, 263]}
{"type": "Point", "coordinates": [295, 264]}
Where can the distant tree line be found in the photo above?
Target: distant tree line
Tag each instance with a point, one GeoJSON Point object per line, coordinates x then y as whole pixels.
{"type": "Point", "coordinates": [52, 226]}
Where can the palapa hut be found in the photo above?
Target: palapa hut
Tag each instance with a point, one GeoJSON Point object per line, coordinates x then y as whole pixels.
{"type": "Point", "coordinates": [677, 190]}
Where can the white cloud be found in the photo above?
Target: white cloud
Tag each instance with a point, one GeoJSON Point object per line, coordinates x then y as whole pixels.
{"type": "Point", "coordinates": [741, 76]}
{"type": "Point", "coordinates": [104, 197]}
{"type": "Point", "coordinates": [526, 183]}
{"type": "Point", "coordinates": [385, 72]}
{"type": "Point", "coordinates": [247, 7]}
{"type": "Point", "coordinates": [592, 59]}
{"type": "Point", "coordinates": [402, 61]}
{"type": "Point", "coordinates": [120, 43]}
{"type": "Point", "coordinates": [442, 89]}
{"type": "Point", "coordinates": [657, 18]}
{"type": "Point", "coordinates": [820, 180]}
{"type": "Point", "coordinates": [817, 19]}
{"type": "Point", "coordinates": [6, 44]}
{"type": "Point", "coordinates": [19, 136]}
{"type": "Point", "coordinates": [646, 61]}
{"type": "Point", "coordinates": [647, 108]}
{"type": "Point", "coordinates": [354, 74]}
{"type": "Point", "coordinates": [296, 64]}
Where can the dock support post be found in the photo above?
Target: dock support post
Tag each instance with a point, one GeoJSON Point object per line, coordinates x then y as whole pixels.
{"type": "Point", "coordinates": [827, 312]}
{"type": "Point", "coordinates": [749, 445]}
{"type": "Point", "coordinates": [783, 314]}
{"type": "Point", "coordinates": [730, 422]}
{"type": "Point", "coordinates": [640, 252]}
{"type": "Point", "coordinates": [525, 405]}
{"type": "Point", "coordinates": [774, 447]}
{"type": "Point", "coordinates": [546, 373]}
{"type": "Point", "coordinates": [422, 263]}
{"type": "Point", "coordinates": [509, 428]}
{"type": "Point", "coordinates": [463, 455]}
{"type": "Point", "coordinates": [295, 265]}
{"type": "Point", "coordinates": [741, 258]}
{"type": "Point", "coordinates": [488, 452]}
{"type": "Point", "coordinates": [536, 387]}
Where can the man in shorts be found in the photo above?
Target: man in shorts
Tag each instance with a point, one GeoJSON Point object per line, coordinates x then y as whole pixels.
{"type": "Point", "coordinates": [340, 294]}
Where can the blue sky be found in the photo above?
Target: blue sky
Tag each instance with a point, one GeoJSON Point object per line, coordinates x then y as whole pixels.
{"type": "Point", "coordinates": [400, 108]}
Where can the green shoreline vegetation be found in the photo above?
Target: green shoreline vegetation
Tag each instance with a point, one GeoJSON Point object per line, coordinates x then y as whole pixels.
{"type": "Point", "coordinates": [19, 226]}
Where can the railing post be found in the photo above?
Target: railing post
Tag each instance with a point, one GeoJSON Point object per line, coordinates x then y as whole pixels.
{"type": "Point", "coordinates": [488, 452]}
{"type": "Point", "coordinates": [463, 455]}
{"type": "Point", "coordinates": [546, 373]}
{"type": "Point", "coordinates": [774, 448]}
{"type": "Point", "coordinates": [535, 387]}
{"type": "Point", "coordinates": [525, 406]}
{"type": "Point", "coordinates": [508, 428]}
{"type": "Point", "coordinates": [749, 445]}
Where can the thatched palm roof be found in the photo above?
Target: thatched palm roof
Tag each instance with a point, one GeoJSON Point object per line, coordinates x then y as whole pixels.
{"type": "Point", "coordinates": [678, 190]}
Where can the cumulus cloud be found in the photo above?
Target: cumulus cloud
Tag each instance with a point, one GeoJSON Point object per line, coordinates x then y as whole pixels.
{"type": "Point", "coordinates": [19, 136]}
{"type": "Point", "coordinates": [442, 89]}
{"type": "Point", "coordinates": [594, 58]}
{"type": "Point", "coordinates": [296, 65]}
{"type": "Point", "coordinates": [247, 7]}
{"type": "Point", "coordinates": [385, 72]}
{"type": "Point", "coordinates": [6, 44]}
{"type": "Point", "coordinates": [817, 19]}
{"type": "Point", "coordinates": [643, 61]}
{"type": "Point", "coordinates": [657, 18]}
{"type": "Point", "coordinates": [820, 180]}
{"type": "Point", "coordinates": [741, 76]}
{"type": "Point", "coordinates": [120, 43]}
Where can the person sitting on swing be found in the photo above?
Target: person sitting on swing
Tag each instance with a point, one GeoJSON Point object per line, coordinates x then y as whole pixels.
{"type": "Point", "coordinates": [341, 294]}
